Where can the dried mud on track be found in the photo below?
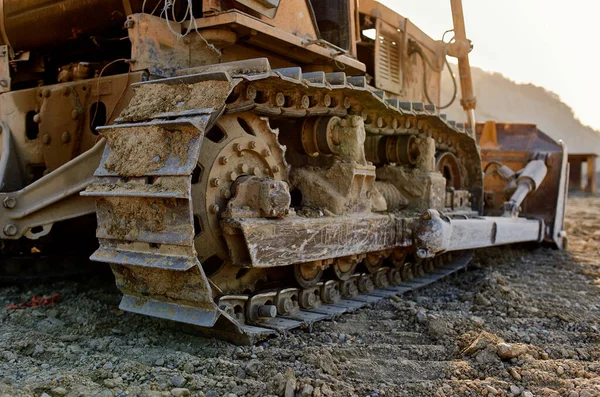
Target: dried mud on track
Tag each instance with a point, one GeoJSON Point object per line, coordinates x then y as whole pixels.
{"type": "Point", "coordinates": [542, 307]}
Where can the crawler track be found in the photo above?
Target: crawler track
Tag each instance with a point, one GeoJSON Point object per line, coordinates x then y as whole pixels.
{"type": "Point", "coordinates": [157, 207]}
{"type": "Point", "coordinates": [305, 318]}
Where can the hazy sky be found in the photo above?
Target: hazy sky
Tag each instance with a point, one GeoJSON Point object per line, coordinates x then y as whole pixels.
{"type": "Point", "coordinates": [550, 43]}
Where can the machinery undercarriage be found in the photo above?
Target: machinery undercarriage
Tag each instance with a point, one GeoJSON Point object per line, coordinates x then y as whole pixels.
{"type": "Point", "coordinates": [246, 200]}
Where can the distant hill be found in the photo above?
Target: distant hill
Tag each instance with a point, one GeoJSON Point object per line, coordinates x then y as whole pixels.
{"type": "Point", "coordinates": [501, 99]}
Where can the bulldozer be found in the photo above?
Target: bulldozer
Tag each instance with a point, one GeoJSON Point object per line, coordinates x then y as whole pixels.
{"type": "Point", "coordinates": [247, 167]}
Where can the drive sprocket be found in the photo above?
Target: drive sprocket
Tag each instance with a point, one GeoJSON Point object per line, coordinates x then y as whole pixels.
{"type": "Point", "coordinates": [241, 144]}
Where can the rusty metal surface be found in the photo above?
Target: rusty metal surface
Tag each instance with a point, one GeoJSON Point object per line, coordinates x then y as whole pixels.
{"type": "Point", "coordinates": [277, 40]}
{"type": "Point", "coordinates": [468, 100]}
{"type": "Point", "coordinates": [436, 233]}
{"type": "Point", "coordinates": [278, 243]}
{"type": "Point", "coordinates": [53, 124]}
{"type": "Point", "coordinates": [64, 21]}
{"type": "Point", "coordinates": [53, 198]}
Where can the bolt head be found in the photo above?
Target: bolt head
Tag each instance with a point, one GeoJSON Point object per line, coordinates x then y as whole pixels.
{"type": "Point", "coordinates": [10, 202]}
{"type": "Point", "coordinates": [214, 208]}
{"type": "Point", "coordinates": [305, 101]}
{"type": "Point", "coordinates": [327, 100]}
{"type": "Point", "coordinates": [276, 169]}
{"type": "Point", "coordinates": [252, 145]}
{"type": "Point", "coordinates": [37, 118]}
{"type": "Point", "coordinates": [75, 114]}
{"type": "Point", "coordinates": [65, 137]}
{"type": "Point", "coordinates": [279, 99]}
{"type": "Point", "coordinates": [10, 229]}
{"type": "Point", "coordinates": [232, 176]}
{"type": "Point", "coordinates": [215, 182]}
{"type": "Point", "coordinates": [347, 103]}
{"type": "Point", "coordinates": [266, 153]}
{"type": "Point", "coordinates": [46, 139]}
{"type": "Point", "coordinates": [130, 23]}
{"type": "Point", "coordinates": [226, 194]}
{"type": "Point", "coordinates": [223, 160]}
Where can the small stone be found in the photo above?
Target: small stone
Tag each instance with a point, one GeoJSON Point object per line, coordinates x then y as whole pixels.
{"type": "Point", "coordinates": [514, 374]}
{"type": "Point", "coordinates": [421, 317]}
{"type": "Point", "coordinates": [252, 367]}
{"type": "Point", "coordinates": [45, 395]}
{"type": "Point", "coordinates": [289, 388]}
{"type": "Point", "coordinates": [507, 350]}
{"type": "Point", "coordinates": [188, 367]}
{"type": "Point", "coordinates": [307, 391]}
{"type": "Point", "coordinates": [159, 362]}
{"type": "Point", "coordinates": [438, 328]}
{"type": "Point", "coordinates": [279, 383]}
{"type": "Point", "coordinates": [481, 300]}
{"type": "Point", "coordinates": [491, 389]}
{"type": "Point", "coordinates": [573, 394]}
{"type": "Point", "coordinates": [514, 389]}
{"type": "Point", "coordinates": [586, 393]}
{"type": "Point", "coordinates": [178, 381]}
{"type": "Point", "coordinates": [527, 394]}
{"type": "Point", "coordinates": [342, 337]}
{"type": "Point", "coordinates": [59, 391]}
{"type": "Point", "coordinates": [180, 392]}
{"type": "Point", "coordinates": [290, 384]}
{"type": "Point", "coordinates": [560, 370]}
{"type": "Point", "coordinates": [544, 356]}
{"type": "Point", "coordinates": [326, 390]}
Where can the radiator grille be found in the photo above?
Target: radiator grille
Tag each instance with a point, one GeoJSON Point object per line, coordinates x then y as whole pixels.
{"type": "Point", "coordinates": [388, 58]}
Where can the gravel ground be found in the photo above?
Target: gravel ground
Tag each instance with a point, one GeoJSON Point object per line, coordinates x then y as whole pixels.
{"type": "Point", "coordinates": [519, 322]}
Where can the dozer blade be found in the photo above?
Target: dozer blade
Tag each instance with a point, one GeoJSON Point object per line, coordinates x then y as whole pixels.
{"type": "Point", "coordinates": [514, 145]}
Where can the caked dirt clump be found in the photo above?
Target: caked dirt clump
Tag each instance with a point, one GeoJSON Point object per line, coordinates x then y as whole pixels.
{"type": "Point", "coordinates": [151, 100]}
{"type": "Point", "coordinates": [138, 151]}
